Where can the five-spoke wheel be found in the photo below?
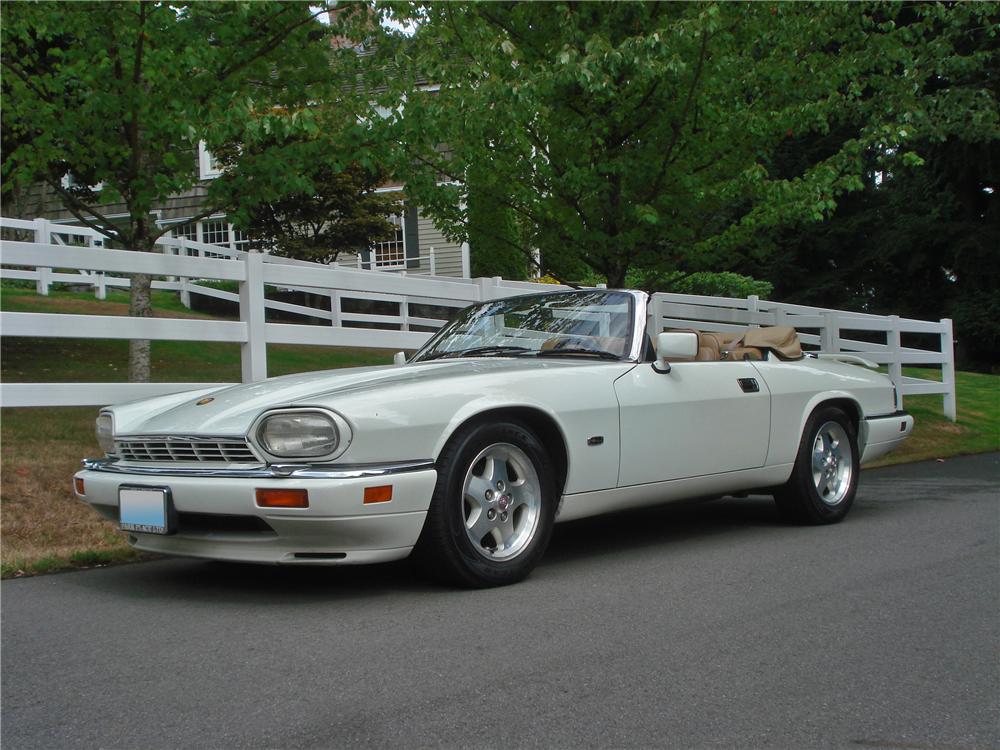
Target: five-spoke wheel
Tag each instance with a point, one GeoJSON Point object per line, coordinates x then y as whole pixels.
{"type": "Point", "coordinates": [832, 463]}
{"type": "Point", "coordinates": [502, 501]}
{"type": "Point", "coordinates": [493, 507]}
{"type": "Point", "coordinates": [825, 477]}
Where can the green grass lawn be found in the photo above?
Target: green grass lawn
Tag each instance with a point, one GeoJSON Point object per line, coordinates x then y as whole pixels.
{"type": "Point", "coordinates": [934, 436]}
{"type": "Point", "coordinates": [44, 526]}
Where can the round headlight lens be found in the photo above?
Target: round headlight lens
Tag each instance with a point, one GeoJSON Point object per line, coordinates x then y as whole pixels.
{"type": "Point", "coordinates": [105, 431]}
{"type": "Point", "coordinates": [298, 435]}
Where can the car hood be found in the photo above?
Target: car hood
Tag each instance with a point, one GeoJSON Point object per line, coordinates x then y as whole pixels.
{"type": "Point", "coordinates": [231, 410]}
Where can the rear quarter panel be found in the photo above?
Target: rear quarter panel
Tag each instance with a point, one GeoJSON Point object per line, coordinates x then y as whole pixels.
{"type": "Point", "coordinates": [797, 388]}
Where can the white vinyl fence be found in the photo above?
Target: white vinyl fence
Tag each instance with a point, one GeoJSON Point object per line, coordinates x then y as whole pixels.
{"type": "Point", "coordinates": [48, 253]}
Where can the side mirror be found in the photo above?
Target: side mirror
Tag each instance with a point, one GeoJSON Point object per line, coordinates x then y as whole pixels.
{"type": "Point", "coordinates": [399, 358]}
{"type": "Point", "coordinates": [683, 345]}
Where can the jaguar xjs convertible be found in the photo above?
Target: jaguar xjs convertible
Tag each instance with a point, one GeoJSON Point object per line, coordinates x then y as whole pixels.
{"type": "Point", "coordinates": [515, 415]}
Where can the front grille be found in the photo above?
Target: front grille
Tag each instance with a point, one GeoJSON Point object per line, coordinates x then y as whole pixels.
{"type": "Point", "coordinates": [233, 450]}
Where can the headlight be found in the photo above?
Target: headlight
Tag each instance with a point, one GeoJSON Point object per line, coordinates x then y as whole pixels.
{"type": "Point", "coordinates": [105, 431]}
{"type": "Point", "coordinates": [300, 434]}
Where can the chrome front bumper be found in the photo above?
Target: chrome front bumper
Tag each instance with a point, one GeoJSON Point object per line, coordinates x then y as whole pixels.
{"type": "Point", "coordinates": [336, 528]}
{"type": "Point", "coordinates": [272, 471]}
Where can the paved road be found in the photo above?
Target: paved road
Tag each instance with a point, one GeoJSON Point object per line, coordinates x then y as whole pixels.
{"type": "Point", "coordinates": [700, 626]}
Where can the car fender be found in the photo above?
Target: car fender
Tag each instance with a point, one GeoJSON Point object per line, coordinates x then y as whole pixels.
{"type": "Point", "coordinates": [825, 396]}
{"type": "Point", "coordinates": [473, 409]}
{"type": "Point", "coordinates": [590, 464]}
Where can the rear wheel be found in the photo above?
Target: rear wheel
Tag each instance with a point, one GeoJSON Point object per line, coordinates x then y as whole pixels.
{"type": "Point", "coordinates": [493, 507]}
{"type": "Point", "coordinates": [825, 478]}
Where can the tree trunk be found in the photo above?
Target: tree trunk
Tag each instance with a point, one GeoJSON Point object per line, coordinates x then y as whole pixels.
{"type": "Point", "coordinates": [140, 302]}
{"type": "Point", "coordinates": [140, 306]}
{"type": "Point", "coordinates": [616, 277]}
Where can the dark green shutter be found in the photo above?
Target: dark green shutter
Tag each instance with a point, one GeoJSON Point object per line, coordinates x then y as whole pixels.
{"type": "Point", "coordinates": [411, 237]}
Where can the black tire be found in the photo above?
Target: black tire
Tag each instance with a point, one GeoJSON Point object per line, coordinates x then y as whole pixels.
{"type": "Point", "coordinates": [820, 492]}
{"type": "Point", "coordinates": [446, 550]}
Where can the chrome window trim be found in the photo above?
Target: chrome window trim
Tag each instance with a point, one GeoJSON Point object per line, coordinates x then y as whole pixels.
{"type": "Point", "coordinates": [639, 312]}
{"type": "Point", "coordinates": [274, 471]}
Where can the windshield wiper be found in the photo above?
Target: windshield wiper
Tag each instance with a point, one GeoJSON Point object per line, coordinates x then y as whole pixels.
{"type": "Point", "coordinates": [479, 351]}
{"type": "Point", "coordinates": [577, 351]}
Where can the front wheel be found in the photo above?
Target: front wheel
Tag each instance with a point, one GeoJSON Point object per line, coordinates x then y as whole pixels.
{"type": "Point", "coordinates": [493, 507]}
{"type": "Point", "coordinates": [825, 478]}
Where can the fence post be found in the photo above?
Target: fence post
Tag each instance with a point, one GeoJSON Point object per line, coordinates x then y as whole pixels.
{"type": "Point", "coordinates": [892, 340]}
{"type": "Point", "coordinates": [182, 249]}
{"type": "Point", "coordinates": [948, 369]}
{"type": "Point", "coordinates": [433, 264]}
{"type": "Point", "coordinates": [100, 288]}
{"type": "Point", "coordinates": [335, 308]}
{"type": "Point", "coordinates": [43, 281]}
{"type": "Point", "coordinates": [752, 309]}
{"type": "Point", "coordinates": [43, 235]}
{"type": "Point", "coordinates": [253, 351]}
{"type": "Point", "coordinates": [484, 288]}
{"type": "Point", "coordinates": [830, 335]}
{"type": "Point", "coordinates": [404, 314]}
{"type": "Point", "coordinates": [655, 322]}
{"type": "Point", "coordinates": [466, 262]}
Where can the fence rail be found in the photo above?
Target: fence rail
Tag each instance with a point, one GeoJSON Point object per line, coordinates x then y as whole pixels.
{"type": "Point", "coordinates": [47, 253]}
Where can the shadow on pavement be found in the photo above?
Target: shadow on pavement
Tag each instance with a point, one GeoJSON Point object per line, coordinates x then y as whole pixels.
{"type": "Point", "coordinates": [619, 535]}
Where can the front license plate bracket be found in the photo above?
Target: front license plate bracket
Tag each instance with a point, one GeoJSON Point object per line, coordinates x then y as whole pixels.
{"type": "Point", "coordinates": [146, 510]}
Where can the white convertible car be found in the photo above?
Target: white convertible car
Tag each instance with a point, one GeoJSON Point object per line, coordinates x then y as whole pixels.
{"type": "Point", "coordinates": [519, 413]}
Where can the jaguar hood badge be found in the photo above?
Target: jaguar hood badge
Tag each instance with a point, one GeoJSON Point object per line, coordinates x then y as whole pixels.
{"type": "Point", "coordinates": [203, 401]}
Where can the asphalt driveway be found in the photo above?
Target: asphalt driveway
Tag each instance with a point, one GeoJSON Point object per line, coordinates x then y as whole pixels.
{"type": "Point", "coordinates": [711, 625]}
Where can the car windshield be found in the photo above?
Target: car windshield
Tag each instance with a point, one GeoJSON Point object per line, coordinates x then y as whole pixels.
{"type": "Point", "coordinates": [587, 324]}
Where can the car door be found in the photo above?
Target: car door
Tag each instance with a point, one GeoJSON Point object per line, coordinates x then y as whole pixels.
{"type": "Point", "coordinates": [700, 418]}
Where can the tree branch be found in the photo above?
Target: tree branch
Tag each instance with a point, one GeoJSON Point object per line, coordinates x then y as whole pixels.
{"type": "Point", "coordinates": [678, 126]}
{"type": "Point", "coordinates": [76, 206]}
{"type": "Point", "coordinates": [271, 44]}
{"type": "Point", "coordinates": [204, 214]}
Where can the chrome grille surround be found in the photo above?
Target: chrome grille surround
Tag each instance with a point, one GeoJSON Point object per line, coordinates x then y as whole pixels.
{"type": "Point", "coordinates": [174, 449]}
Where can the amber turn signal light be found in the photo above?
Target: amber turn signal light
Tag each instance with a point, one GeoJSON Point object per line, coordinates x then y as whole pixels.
{"type": "Point", "coordinates": [281, 498]}
{"type": "Point", "coordinates": [381, 494]}
{"type": "Point", "coordinates": [78, 483]}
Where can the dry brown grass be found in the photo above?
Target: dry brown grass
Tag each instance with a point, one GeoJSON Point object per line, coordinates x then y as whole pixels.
{"type": "Point", "coordinates": [43, 525]}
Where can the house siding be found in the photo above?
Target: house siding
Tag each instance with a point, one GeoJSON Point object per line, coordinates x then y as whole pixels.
{"type": "Point", "coordinates": [41, 202]}
{"type": "Point", "coordinates": [447, 254]}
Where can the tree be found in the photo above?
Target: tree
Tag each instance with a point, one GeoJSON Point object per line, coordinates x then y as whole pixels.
{"type": "Point", "coordinates": [919, 242]}
{"type": "Point", "coordinates": [638, 135]}
{"type": "Point", "coordinates": [325, 208]}
{"type": "Point", "coordinates": [121, 93]}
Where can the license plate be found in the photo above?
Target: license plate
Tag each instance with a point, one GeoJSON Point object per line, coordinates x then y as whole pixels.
{"type": "Point", "coordinates": [144, 509]}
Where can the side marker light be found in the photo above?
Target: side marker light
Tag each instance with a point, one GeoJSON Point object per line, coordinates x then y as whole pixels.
{"type": "Point", "coordinates": [282, 498]}
{"type": "Point", "coordinates": [380, 494]}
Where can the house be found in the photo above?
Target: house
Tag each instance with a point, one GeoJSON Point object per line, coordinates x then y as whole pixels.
{"type": "Point", "coordinates": [418, 247]}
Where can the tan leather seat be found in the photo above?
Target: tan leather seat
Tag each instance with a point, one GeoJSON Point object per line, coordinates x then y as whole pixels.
{"type": "Point", "coordinates": [712, 346]}
{"type": "Point", "coordinates": [612, 344]}
{"type": "Point", "coordinates": [718, 346]}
